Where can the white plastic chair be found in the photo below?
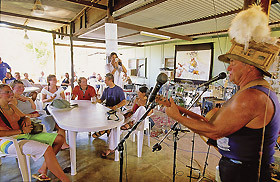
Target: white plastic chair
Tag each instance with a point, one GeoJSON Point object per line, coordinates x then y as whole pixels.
{"type": "Point", "coordinates": [39, 104]}
{"type": "Point", "coordinates": [23, 160]}
{"type": "Point", "coordinates": [140, 136]}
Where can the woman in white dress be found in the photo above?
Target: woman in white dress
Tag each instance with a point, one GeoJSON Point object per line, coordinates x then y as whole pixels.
{"type": "Point", "coordinates": [50, 93]}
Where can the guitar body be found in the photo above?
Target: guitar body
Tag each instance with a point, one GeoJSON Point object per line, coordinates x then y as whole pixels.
{"type": "Point", "coordinates": [208, 116]}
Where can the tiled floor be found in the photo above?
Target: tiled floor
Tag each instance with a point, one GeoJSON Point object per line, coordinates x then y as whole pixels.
{"type": "Point", "coordinates": [152, 166]}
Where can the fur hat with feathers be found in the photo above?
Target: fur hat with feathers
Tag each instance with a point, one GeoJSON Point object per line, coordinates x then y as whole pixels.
{"type": "Point", "coordinates": [251, 24]}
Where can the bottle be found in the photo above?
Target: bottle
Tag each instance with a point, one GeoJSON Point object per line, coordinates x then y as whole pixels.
{"type": "Point", "coordinates": [93, 100]}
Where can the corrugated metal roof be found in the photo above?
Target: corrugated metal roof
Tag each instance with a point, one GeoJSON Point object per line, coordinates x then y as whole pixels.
{"type": "Point", "coordinates": [274, 14]}
{"type": "Point", "coordinates": [175, 11]}
{"type": "Point", "coordinates": [203, 26]}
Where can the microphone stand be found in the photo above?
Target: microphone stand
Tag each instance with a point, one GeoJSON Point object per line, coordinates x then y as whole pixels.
{"type": "Point", "coordinates": [157, 146]}
{"type": "Point", "coordinates": [120, 146]}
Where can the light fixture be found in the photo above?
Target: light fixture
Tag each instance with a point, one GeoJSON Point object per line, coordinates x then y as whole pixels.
{"type": "Point", "coordinates": [154, 35]}
{"type": "Point", "coordinates": [38, 9]}
{"type": "Point", "coordinates": [25, 35]}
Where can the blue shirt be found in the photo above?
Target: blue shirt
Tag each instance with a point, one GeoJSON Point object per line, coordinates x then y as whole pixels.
{"type": "Point", "coordinates": [9, 80]}
{"type": "Point", "coordinates": [113, 96]}
{"type": "Point", "coordinates": [3, 70]}
{"type": "Point", "coordinates": [245, 144]}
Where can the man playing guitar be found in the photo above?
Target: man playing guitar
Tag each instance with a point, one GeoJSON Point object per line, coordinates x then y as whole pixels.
{"type": "Point", "coordinates": [247, 125]}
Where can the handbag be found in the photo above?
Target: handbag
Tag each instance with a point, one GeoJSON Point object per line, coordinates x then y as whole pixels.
{"type": "Point", "coordinates": [37, 127]}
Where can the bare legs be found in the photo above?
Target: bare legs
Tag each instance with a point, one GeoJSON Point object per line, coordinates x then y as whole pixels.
{"type": "Point", "coordinates": [62, 132]}
{"type": "Point", "coordinates": [51, 162]}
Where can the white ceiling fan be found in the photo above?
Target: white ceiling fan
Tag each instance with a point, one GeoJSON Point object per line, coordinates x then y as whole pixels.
{"type": "Point", "coordinates": [38, 8]}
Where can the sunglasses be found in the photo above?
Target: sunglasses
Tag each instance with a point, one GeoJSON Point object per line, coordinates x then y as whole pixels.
{"type": "Point", "coordinates": [7, 92]}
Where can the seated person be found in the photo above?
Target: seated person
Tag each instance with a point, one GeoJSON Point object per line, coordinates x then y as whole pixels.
{"type": "Point", "coordinates": [115, 99]}
{"type": "Point", "coordinates": [8, 79]}
{"type": "Point", "coordinates": [138, 109]}
{"type": "Point", "coordinates": [52, 92]}
{"type": "Point", "coordinates": [38, 145]}
{"type": "Point", "coordinates": [26, 83]}
{"type": "Point", "coordinates": [83, 90]}
{"type": "Point", "coordinates": [26, 78]}
{"type": "Point", "coordinates": [93, 76]}
{"type": "Point", "coordinates": [126, 79]}
{"type": "Point", "coordinates": [42, 78]}
{"type": "Point", "coordinates": [66, 81]}
{"type": "Point", "coordinates": [99, 79]}
{"type": "Point", "coordinates": [28, 107]}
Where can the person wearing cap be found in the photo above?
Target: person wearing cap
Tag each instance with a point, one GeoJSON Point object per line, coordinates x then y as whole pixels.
{"type": "Point", "coordinates": [114, 99]}
{"type": "Point", "coordinates": [247, 125]}
{"type": "Point", "coordinates": [116, 67]}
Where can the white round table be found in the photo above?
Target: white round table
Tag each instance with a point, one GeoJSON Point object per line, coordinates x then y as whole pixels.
{"type": "Point", "coordinates": [30, 89]}
{"type": "Point", "coordinates": [87, 117]}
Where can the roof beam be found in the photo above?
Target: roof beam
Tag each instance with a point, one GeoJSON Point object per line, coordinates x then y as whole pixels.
{"type": "Point", "coordinates": [83, 46]}
{"type": "Point", "coordinates": [151, 30]}
{"type": "Point", "coordinates": [103, 41]}
{"type": "Point", "coordinates": [88, 3]}
{"type": "Point", "coordinates": [32, 28]}
{"type": "Point", "coordinates": [128, 35]}
{"type": "Point", "coordinates": [136, 10]}
{"type": "Point", "coordinates": [33, 17]}
{"type": "Point", "coordinates": [122, 3]}
{"type": "Point", "coordinates": [202, 19]}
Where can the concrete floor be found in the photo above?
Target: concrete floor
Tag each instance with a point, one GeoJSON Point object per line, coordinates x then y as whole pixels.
{"type": "Point", "coordinates": [152, 166]}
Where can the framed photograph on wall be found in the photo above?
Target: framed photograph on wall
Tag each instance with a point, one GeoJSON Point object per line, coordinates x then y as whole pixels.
{"type": "Point", "coordinates": [138, 67]}
{"type": "Point", "coordinates": [193, 62]}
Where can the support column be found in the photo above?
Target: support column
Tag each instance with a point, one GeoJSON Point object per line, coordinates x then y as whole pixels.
{"type": "Point", "coordinates": [72, 55]}
{"type": "Point", "coordinates": [111, 32]}
{"type": "Point", "coordinates": [54, 53]}
{"type": "Point", "coordinates": [111, 39]}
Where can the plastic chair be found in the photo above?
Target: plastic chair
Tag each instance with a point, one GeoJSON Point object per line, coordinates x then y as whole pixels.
{"type": "Point", "coordinates": [23, 160]}
{"type": "Point", "coordinates": [39, 103]}
{"type": "Point", "coordinates": [140, 136]}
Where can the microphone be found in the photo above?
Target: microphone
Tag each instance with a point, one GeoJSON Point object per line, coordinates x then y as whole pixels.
{"type": "Point", "coordinates": [141, 65]}
{"type": "Point", "coordinates": [161, 79]}
{"type": "Point", "coordinates": [216, 78]}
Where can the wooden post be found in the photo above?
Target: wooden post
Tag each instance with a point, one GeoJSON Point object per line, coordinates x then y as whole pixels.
{"type": "Point", "coordinates": [54, 53]}
{"type": "Point", "coordinates": [72, 55]}
{"type": "Point", "coordinates": [266, 4]}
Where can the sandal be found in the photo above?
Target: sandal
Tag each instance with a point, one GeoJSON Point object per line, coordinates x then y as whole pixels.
{"type": "Point", "coordinates": [108, 152]}
{"type": "Point", "coordinates": [41, 177]}
{"type": "Point", "coordinates": [127, 125]}
{"type": "Point", "coordinates": [98, 134]}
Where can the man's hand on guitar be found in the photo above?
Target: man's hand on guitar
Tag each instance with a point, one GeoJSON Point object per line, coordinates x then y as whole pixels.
{"type": "Point", "coordinates": [163, 101]}
{"type": "Point", "coordinates": [173, 110]}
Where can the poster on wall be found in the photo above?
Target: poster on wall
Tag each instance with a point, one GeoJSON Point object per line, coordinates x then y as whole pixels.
{"type": "Point", "coordinates": [193, 62]}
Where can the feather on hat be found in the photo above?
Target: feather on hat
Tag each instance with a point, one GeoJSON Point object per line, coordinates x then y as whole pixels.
{"type": "Point", "coordinates": [251, 40]}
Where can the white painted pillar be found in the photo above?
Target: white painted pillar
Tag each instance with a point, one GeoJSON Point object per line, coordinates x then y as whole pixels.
{"type": "Point", "coordinates": [111, 38]}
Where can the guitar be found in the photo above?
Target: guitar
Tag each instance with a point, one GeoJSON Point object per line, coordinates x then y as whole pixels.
{"type": "Point", "coordinates": [165, 102]}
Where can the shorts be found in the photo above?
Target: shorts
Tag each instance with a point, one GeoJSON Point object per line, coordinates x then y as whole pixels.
{"type": "Point", "coordinates": [46, 138]}
{"type": "Point", "coordinates": [33, 145]}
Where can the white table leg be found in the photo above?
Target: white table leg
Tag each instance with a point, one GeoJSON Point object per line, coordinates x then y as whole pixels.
{"type": "Point", "coordinates": [117, 142]}
{"type": "Point", "coordinates": [72, 144]}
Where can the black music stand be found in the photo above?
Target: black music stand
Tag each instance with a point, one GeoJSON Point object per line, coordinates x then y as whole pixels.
{"type": "Point", "coordinates": [120, 146]}
{"type": "Point", "coordinates": [157, 146]}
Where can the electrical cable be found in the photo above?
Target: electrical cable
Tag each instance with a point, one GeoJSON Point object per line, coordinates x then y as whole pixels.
{"type": "Point", "coordinates": [216, 24]}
